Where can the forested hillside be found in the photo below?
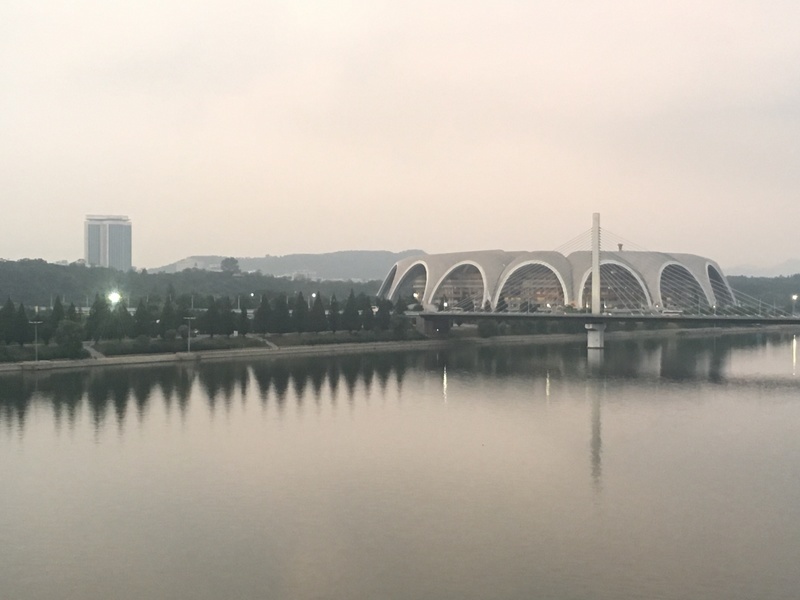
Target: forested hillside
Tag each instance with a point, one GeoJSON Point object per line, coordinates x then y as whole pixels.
{"type": "Point", "coordinates": [36, 282]}
{"type": "Point", "coordinates": [357, 265]}
{"type": "Point", "coordinates": [772, 291]}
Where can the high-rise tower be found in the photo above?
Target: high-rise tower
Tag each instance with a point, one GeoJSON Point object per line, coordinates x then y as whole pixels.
{"type": "Point", "coordinates": [107, 241]}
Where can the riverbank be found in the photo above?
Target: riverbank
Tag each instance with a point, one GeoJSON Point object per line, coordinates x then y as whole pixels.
{"type": "Point", "coordinates": [277, 352]}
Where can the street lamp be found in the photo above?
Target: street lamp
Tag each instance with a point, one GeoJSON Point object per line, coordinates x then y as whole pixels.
{"type": "Point", "coordinates": [794, 301]}
{"type": "Point", "coordinates": [36, 324]}
{"type": "Point", "coordinates": [189, 335]}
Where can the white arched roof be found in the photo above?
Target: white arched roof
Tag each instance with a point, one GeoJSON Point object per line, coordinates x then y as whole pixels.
{"type": "Point", "coordinates": [496, 266]}
{"type": "Point", "coordinates": [447, 273]}
{"type": "Point", "coordinates": [554, 261]}
{"type": "Point", "coordinates": [605, 260]}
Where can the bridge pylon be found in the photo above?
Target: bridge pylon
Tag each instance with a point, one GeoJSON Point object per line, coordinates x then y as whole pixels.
{"type": "Point", "coordinates": [595, 332]}
{"type": "Point", "coordinates": [596, 307]}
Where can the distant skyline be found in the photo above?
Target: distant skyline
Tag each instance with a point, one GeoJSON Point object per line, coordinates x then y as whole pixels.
{"type": "Point", "coordinates": [248, 128]}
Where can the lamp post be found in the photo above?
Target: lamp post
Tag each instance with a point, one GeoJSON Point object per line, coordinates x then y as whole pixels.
{"type": "Point", "coordinates": [794, 302]}
{"type": "Point", "coordinates": [189, 333]}
{"type": "Point", "coordinates": [36, 324]}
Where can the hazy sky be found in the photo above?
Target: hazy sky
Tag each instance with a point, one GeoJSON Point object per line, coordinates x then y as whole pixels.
{"type": "Point", "coordinates": [252, 127]}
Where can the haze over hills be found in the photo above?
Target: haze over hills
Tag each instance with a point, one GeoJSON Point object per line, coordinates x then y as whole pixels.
{"type": "Point", "coordinates": [358, 265]}
{"type": "Point", "coordinates": [784, 269]}
{"type": "Point", "coordinates": [364, 265]}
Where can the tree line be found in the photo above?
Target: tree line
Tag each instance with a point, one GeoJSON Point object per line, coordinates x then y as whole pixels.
{"type": "Point", "coordinates": [22, 326]}
{"type": "Point", "coordinates": [282, 314]}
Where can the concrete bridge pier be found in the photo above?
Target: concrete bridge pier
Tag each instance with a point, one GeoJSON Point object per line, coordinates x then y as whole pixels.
{"type": "Point", "coordinates": [595, 336]}
{"type": "Point", "coordinates": [595, 360]}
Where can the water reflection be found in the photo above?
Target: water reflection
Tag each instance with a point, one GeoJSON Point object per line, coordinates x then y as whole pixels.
{"type": "Point", "coordinates": [120, 393]}
{"type": "Point", "coordinates": [596, 442]}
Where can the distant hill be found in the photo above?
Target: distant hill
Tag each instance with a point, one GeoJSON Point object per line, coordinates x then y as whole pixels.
{"type": "Point", "coordinates": [358, 265]}
{"type": "Point", "coordinates": [785, 269]}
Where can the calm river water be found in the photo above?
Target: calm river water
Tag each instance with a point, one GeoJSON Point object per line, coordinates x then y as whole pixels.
{"type": "Point", "coordinates": [671, 471]}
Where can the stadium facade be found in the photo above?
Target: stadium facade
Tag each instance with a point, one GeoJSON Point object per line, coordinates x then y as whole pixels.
{"type": "Point", "coordinates": [522, 281]}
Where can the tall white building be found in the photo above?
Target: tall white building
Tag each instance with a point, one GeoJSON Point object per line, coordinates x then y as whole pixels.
{"type": "Point", "coordinates": [107, 241]}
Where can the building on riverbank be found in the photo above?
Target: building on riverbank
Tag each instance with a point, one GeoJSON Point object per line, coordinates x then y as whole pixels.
{"type": "Point", "coordinates": [520, 281]}
{"type": "Point", "coordinates": [107, 241]}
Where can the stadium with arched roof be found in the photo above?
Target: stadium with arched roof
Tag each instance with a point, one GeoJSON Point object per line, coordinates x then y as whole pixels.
{"type": "Point", "coordinates": [523, 281]}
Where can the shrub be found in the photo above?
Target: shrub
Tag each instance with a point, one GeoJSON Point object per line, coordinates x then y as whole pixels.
{"type": "Point", "coordinates": [487, 328]}
{"type": "Point", "coordinates": [141, 343]}
{"type": "Point", "coordinates": [400, 326]}
{"type": "Point", "coordinates": [69, 338]}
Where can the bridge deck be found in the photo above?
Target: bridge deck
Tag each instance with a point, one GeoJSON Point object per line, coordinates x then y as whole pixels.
{"type": "Point", "coordinates": [614, 317]}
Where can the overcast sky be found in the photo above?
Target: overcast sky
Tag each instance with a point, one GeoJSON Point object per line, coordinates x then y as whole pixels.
{"type": "Point", "coordinates": [247, 128]}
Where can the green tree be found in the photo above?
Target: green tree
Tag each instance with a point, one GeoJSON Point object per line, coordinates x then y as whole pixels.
{"type": "Point", "coordinates": [400, 306]}
{"type": "Point", "coordinates": [262, 316]}
{"type": "Point", "coordinates": [46, 330]}
{"type": "Point", "coordinates": [367, 317]}
{"type": "Point", "coordinates": [97, 320]}
{"type": "Point", "coordinates": [350, 320]}
{"type": "Point", "coordinates": [22, 329]}
{"type": "Point", "coordinates": [50, 323]}
{"type": "Point", "coordinates": [58, 313]}
{"type": "Point", "coordinates": [182, 309]}
{"type": "Point", "coordinates": [209, 321]}
{"type": "Point", "coordinates": [300, 314]}
{"type": "Point", "coordinates": [72, 314]}
{"type": "Point", "coordinates": [384, 317]}
{"type": "Point", "coordinates": [7, 320]}
{"type": "Point", "coordinates": [243, 324]}
{"type": "Point", "coordinates": [122, 320]}
{"type": "Point", "coordinates": [227, 320]}
{"type": "Point", "coordinates": [317, 320]}
{"type": "Point", "coordinates": [69, 336]}
{"type": "Point", "coordinates": [281, 319]}
{"type": "Point", "coordinates": [168, 319]}
{"type": "Point", "coordinates": [334, 315]}
{"type": "Point", "coordinates": [142, 320]}
{"type": "Point", "coordinates": [229, 265]}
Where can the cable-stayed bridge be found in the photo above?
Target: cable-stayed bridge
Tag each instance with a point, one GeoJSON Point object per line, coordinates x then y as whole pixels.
{"type": "Point", "coordinates": [596, 278]}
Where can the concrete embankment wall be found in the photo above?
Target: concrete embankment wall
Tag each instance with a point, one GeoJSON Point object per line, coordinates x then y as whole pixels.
{"type": "Point", "coordinates": [217, 355]}
{"type": "Point", "coordinates": [366, 348]}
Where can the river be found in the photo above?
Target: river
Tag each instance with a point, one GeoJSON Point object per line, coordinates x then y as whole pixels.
{"type": "Point", "coordinates": [667, 468]}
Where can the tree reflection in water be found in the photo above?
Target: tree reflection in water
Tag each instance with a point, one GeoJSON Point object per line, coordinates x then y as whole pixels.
{"type": "Point", "coordinates": [105, 391]}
